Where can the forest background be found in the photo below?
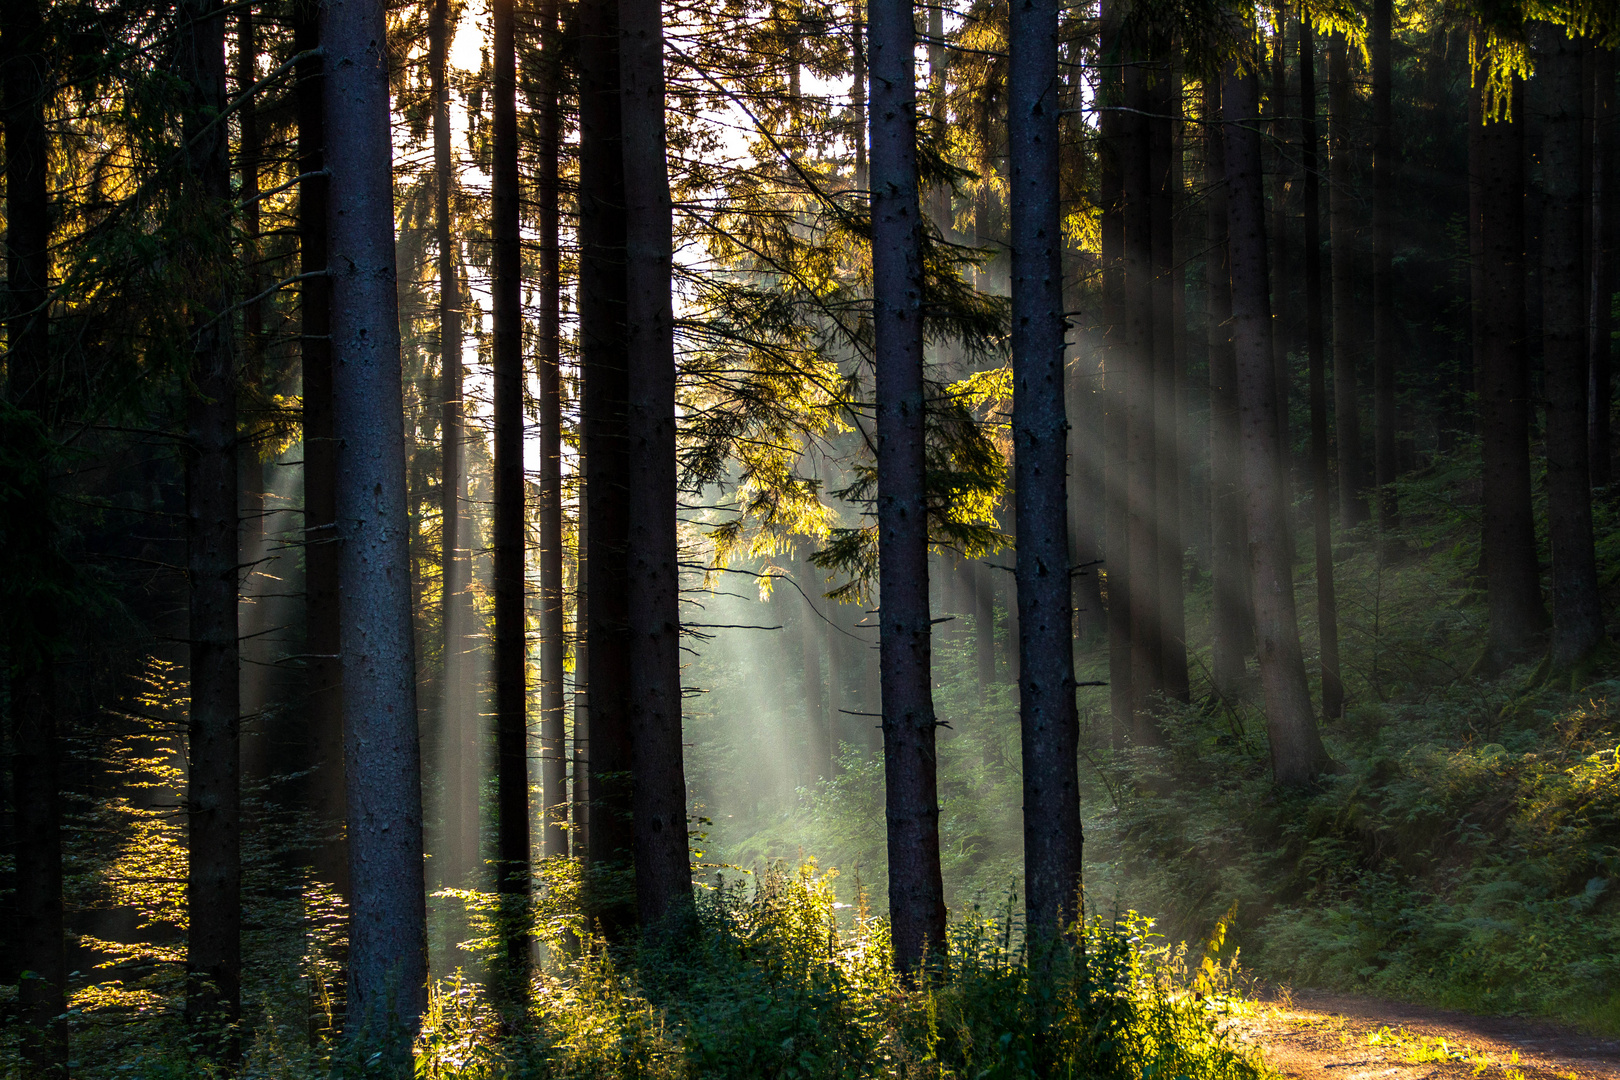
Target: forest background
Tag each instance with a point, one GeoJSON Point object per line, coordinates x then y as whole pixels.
{"type": "Point", "coordinates": [1334, 298]}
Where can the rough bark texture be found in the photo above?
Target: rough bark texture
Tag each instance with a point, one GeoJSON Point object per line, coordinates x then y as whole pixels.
{"type": "Point", "coordinates": [1163, 151]}
{"type": "Point", "coordinates": [1049, 723]}
{"type": "Point", "coordinates": [213, 778]}
{"type": "Point", "coordinates": [1605, 212]}
{"type": "Point", "coordinates": [663, 863]}
{"type": "Point", "coordinates": [1232, 616]}
{"type": "Point", "coordinates": [1385, 461]}
{"type": "Point", "coordinates": [387, 924]}
{"type": "Point", "coordinates": [1577, 615]}
{"type": "Point", "coordinates": [1347, 339]}
{"type": "Point", "coordinates": [1297, 755]}
{"type": "Point", "coordinates": [607, 449]}
{"type": "Point", "coordinates": [1512, 576]}
{"type": "Point", "coordinates": [916, 891]}
{"type": "Point", "coordinates": [1327, 607]}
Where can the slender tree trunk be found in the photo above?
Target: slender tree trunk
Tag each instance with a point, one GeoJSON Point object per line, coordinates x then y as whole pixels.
{"type": "Point", "coordinates": [1147, 654]}
{"type": "Point", "coordinates": [857, 92]}
{"type": "Point", "coordinates": [1282, 274]}
{"type": "Point", "coordinates": [1347, 342]}
{"type": "Point", "coordinates": [213, 778]}
{"type": "Point", "coordinates": [553, 643]}
{"type": "Point", "coordinates": [605, 404]}
{"type": "Point", "coordinates": [663, 862]}
{"type": "Point", "coordinates": [1232, 612]}
{"type": "Point", "coordinates": [1605, 250]}
{"type": "Point", "coordinates": [387, 924]}
{"type": "Point", "coordinates": [1577, 614]}
{"type": "Point", "coordinates": [36, 941]}
{"type": "Point", "coordinates": [1385, 461]}
{"type": "Point", "coordinates": [916, 891]}
{"type": "Point", "coordinates": [324, 698]}
{"type": "Point", "coordinates": [1512, 575]}
{"type": "Point", "coordinates": [581, 809]}
{"type": "Point", "coordinates": [1164, 147]}
{"type": "Point", "coordinates": [1297, 755]}
{"type": "Point", "coordinates": [1049, 723]}
{"type": "Point", "coordinates": [251, 481]}
{"type": "Point", "coordinates": [1476, 244]}
{"type": "Point", "coordinates": [1327, 606]}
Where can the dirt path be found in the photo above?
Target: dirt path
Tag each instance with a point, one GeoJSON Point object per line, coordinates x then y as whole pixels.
{"type": "Point", "coordinates": [1318, 1036]}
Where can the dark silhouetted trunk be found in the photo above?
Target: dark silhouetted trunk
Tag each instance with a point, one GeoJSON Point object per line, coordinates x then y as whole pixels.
{"type": "Point", "coordinates": [1347, 338]}
{"type": "Point", "coordinates": [1577, 615]}
{"type": "Point", "coordinates": [1232, 611]}
{"type": "Point", "coordinates": [387, 922]}
{"type": "Point", "coordinates": [213, 777]}
{"type": "Point", "coordinates": [916, 892]}
{"type": "Point", "coordinates": [1282, 328]}
{"type": "Point", "coordinates": [324, 678]}
{"type": "Point", "coordinates": [1164, 148]}
{"type": "Point", "coordinates": [580, 809]}
{"type": "Point", "coordinates": [553, 643]}
{"type": "Point", "coordinates": [1476, 246]}
{"type": "Point", "coordinates": [1297, 755]}
{"type": "Point", "coordinates": [604, 406]}
{"type": "Point", "coordinates": [1327, 606]}
{"type": "Point", "coordinates": [1605, 212]}
{"type": "Point", "coordinates": [1049, 723]}
{"type": "Point", "coordinates": [1385, 462]}
{"type": "Point", "coordinates": [1512, 576]}
{"type": "Point", "coordinates": [663, 862]}
{"type": "Point", "coordinates": [251, 482]}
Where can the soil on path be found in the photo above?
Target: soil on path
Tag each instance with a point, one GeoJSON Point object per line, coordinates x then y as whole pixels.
{"type": "Point", "coordinates": [1320, 1036]}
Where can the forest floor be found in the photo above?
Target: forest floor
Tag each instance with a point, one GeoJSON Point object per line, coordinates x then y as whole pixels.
{"type": "Point", "coordinates": [1325, 1036]}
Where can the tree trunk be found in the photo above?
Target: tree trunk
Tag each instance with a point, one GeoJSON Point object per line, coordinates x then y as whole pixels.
{"type": "Point", "coordinates": [1327, 606]}
{"type": "Point", "coordinates": [324, 698]}
{"type": "Point", "coordinates": [36, 941]}
{"type": "Point", "coordinates": [916, 891]}
{"type": "Point", "coordinates": [1385, 462]}
{"type": "Point", "coordinates": [1512, 576]}
{"type": "Point", "coordinates": [580, 809]}
{"type": "Point", "coordinates": [1297, 755]}
{"type": "Point", "coordinates": [1577, 615]}
{"type": "Point", "coordinates": [984, 629]}
{"type": "Point", "coordinates": [1232, 612]}
{"type": "Point", "coordinates": [1048, 720]}
{"type": "Point", "coordinates": [1605, 250]}
{"type": "Point", "coordinates": [1164, 147]}
{"type": "Point", "coordinates": [663, 862]}
{"type": "Point", "coordinates": [553, 643]}
{"type": "Point", "coordinates": [1282, 276]}
{"type": "Point", "coordinates": [1347, 343]}
{"type": "Point", "coordinates": [387, 924]}
{"type": "Point", "coordinates": [604, 404]}
{"type": "Point", "coordinates": [213, 778]}
{"type": "Point", "coordinates": [251, 480]}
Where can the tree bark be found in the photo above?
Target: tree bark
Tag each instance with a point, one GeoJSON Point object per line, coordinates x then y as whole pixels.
{"type": "Point", "coordinates": [1577, 615]}
{"type": "Point", "coordinates": [1232, 612]}
{"type": "Point", "coordinates": [1327, 606]}
{"type": "Point", "coordinates": [1605, 214]}
{"type": "Point", "coordinates": [387, 925]}
{"type": "Point", "coordinates": [1297, 754]}
{"type": "Point", "coordinates": [1164, 148]}
{"type": "Point", "coordinates": [213, 778]}
{"type": "Point", "coordinates": [1347, 342]}
{"type": "Point", "coordinates": [663, 862]}
{"type": "Point", "coordinates": [1385, 461]}
{"type": "Point", "coordinates": [1512, 575]}
{"type": "Point", "coordinates": [857, 93]}
{"type": "Point", "coordinates": [1049, 723]}
{"type": "Point", "coordinates": [1282, 324]}
{"type": "Point", "coordinates": [916, 891]}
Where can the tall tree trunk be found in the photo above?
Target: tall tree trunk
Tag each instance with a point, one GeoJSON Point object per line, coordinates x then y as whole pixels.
{"type": "Point", "coordinates": [1385, 461]}
{"type": "Point", "coordinates": [251, 481]}
{"type": "Point", "coordinates": [1048, 720]}
{"type": "Point", "coordinates": [511, 630]}
{"type": "Point", "coordinates": [984, 629]}
{"type": "Point", "coordinates": [580, 810]}
{"type": "Point", "coordinates": [1512, 576]}
{"type": "Point", "coordinates": [387, 923]}
{"type": "Point", "coordinates": [1605, 213]}
{"type": "Point", "coordinates": [1282, 276]}
{"type": "Point", "coordinates": [1147, 654]}
{"type": "Point", "coordinates": [1347, 341]}
{"type": "Point", "coordinates": [857, 92]}
{"type": "Point", "coordinates": [663, 862]}
{"type": "Point", "coordinates": [37, 944]}
{"type": "Point", "coordinates": [916, 891]}
{"type": "Point", "coordinates": [1164, 148]}
{"type": "Point", "coordinates": [1577, 614]}
{"type": "Point", "coordinates": [213, 778]}
{"type": "Point", "coordinates": [553, 643]}
{"type": "Point", "coordinates": [324, 674]}
{"type": "Point", "coordinates": [1476, 245]}
{"type": "Point", "coordinates": [1232, 612]}
{"type": "Point", "coordinates": [1116, 512]}
{"type": "Point", "coordinates": [1327, 605]}
{"type": "Point", "coordinates": [1297, 755]}
{"type": "Point", "coordinates": [605, 404]}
